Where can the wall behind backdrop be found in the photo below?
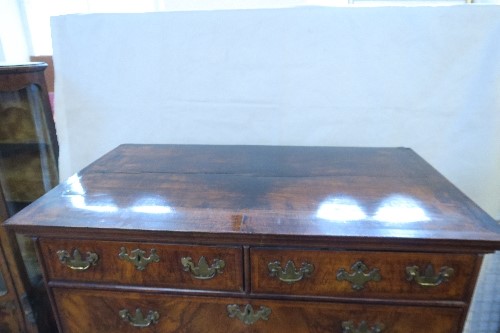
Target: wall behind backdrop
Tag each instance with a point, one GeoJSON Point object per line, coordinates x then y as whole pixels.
{"type": "Point", "coordinates": [427, 78]}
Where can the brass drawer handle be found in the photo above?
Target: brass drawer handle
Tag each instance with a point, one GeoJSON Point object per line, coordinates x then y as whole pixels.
{"type": "Point", "coordinates": [248, 315]}
{"type": "Point", "coordinates": [359, 277]}
{"type": "Point", "coordinates": [290, 274]}
{"type": "Point", "coordinates": [429, 278]}
{"type": "Point", "coordinates": [349, 327]}
{"type": "Point", "coordinates": [203, 271]}
{"type": "Point", "coordinates": [139, 320]}
{"type": "Point", "coordinates": [138, 257]}
{"type": "Point", "coordinates": [77, 262]}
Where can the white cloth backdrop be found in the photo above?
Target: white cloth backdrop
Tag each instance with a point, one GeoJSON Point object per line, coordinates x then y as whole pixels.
{"type": "Point", "coordinates": [427, 78]}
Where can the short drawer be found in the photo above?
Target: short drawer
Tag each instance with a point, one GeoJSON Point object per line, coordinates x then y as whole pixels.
{"type": "Point", "coordinates": [144, 264]}
{"type": "Point", "coordinates": [362, 274]}
{"type": "Point", "coordinates": [108, 312]}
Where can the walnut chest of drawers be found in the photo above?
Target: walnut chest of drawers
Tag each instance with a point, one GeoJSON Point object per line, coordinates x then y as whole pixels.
{"type": "Point", "coordinates": [174, 238]}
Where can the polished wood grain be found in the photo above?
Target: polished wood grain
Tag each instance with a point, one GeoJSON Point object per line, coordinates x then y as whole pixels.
{"type": "Point", "coordinates": [97, 311]}
{"type": "Point", "coordinates": [168, 272]}
{"type": "Point", "coordinates": [329, 196]}
{"type": "Point", "coordinates": [391, 267]}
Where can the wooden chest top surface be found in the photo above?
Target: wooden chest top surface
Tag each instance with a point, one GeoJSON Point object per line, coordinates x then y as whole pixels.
{"type": "Point", "coordinates": [367, 197]}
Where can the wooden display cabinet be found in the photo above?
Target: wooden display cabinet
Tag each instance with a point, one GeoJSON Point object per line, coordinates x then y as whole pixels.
{"type": "Point", "coordinates": [28, 169]}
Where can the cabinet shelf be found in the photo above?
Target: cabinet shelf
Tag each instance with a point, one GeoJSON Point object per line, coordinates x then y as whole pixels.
{"type": "Point", "coordinates": [7, 149]}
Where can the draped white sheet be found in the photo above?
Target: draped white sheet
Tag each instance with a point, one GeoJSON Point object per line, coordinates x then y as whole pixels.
{"type": "Point", "coordinates": [427, 78]}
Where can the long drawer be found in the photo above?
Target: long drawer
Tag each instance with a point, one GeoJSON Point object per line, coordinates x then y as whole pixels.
{"type": "Point", "coordinates": [99, 311]}
{"type": "Point", "coordinates": [144, 264]}
{"type": "Point", "coordinates": [357, 274]}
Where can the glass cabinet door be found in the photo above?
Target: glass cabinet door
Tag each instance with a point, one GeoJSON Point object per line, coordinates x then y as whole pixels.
{"type": "Point", "coordinates": [27, 162]}
{"type": "Point", "coordinates": [28, 155]}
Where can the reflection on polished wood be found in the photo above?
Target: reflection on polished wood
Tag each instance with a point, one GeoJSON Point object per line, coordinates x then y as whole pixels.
{"type": "Point", "coordinates": [287, 222]}
{"type": "Point", "coordinates": [282, 187]}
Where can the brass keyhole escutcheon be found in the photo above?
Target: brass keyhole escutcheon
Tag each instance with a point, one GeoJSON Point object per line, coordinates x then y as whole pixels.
{"type": "Point", "coordinates": [359, 275]}
{"type": "Point", "coordinates": [248, 315]}
{"type": "Point", "coordinates": [138, 257]}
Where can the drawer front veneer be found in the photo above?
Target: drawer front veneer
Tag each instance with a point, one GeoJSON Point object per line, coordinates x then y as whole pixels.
{"type": "Point", "coordinates": [144, 264]}
{"type": "Point", "coordinates": [423, 276]}
{"type": "Point", "coordinates": [108, 312]}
